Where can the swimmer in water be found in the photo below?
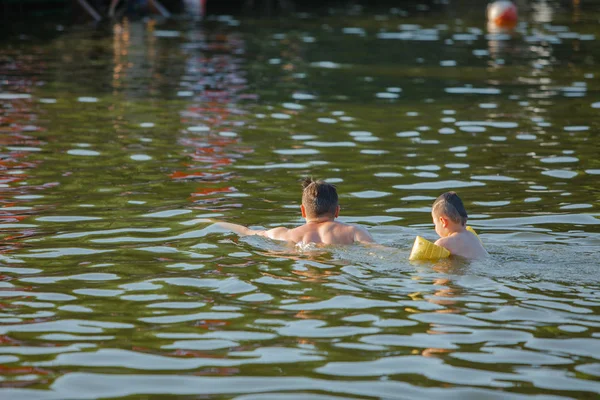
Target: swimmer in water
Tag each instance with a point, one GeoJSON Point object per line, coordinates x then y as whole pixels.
{"type": "Point", "coordinates": [450, 220]}
{"type": "Point", "coordinates": [320, 209]}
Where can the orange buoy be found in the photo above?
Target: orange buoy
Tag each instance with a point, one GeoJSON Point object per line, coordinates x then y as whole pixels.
{"type": "Point", "coordinates": [502, 14]}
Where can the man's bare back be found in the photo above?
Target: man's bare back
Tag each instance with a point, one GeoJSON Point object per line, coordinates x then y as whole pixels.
{"type": "Point", "coordinates": [328, 232]}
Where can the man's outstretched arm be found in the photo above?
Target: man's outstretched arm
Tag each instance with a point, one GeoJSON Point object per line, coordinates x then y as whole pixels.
{"type": "Point", "coordinates": [275, 233]}
{"type": "Point", "coordinates": [239, 229]}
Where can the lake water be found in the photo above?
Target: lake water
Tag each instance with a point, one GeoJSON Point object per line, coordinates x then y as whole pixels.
{"type": "Point", "coordinates": [120, 143]}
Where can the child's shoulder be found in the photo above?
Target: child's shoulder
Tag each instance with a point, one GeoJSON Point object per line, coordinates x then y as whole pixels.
{"type": "Point", "coordinates": [452, 242]}
{"type": "Point", "coordinates": [443, 241]}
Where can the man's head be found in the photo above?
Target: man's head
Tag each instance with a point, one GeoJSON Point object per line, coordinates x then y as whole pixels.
{"type": "Point", "coordinates": [447, 209]}
{"type": "Point", "coordinates": [319, 199]}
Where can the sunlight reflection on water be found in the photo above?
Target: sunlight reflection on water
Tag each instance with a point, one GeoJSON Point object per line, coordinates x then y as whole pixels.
{"type": "Point", "coordinates": [124, 281]}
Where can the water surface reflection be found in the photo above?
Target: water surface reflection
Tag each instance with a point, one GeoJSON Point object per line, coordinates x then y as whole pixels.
{"type": "Point", "coordinates": [116, 283]}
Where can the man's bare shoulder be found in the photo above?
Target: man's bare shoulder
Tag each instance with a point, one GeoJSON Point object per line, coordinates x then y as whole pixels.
{"type": "Point", "coordinates": [362, 235]}
{"type": "Point", "coordinates": [279, 233]}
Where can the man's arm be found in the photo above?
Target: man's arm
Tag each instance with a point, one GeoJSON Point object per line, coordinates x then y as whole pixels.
{"type": "Point", "coordinates": [279, 233]}
{"type": "Point", "coordinates": [362, 236]}
{"type": "Point", "coordinates": [275, 233]}
{"type": "Point", "coordinates": [239, 229]}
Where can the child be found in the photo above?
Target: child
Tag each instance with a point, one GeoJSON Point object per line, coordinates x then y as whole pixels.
{"type": "Point", "coordinates": [319, 208]}
{"type": "Point", "coordinates": [450, 220]}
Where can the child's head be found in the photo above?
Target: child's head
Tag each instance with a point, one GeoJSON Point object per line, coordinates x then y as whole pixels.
{"type": "Point", "coordinates": [448, 213]}
{"type": "Point", "coordinates": [319, 199]}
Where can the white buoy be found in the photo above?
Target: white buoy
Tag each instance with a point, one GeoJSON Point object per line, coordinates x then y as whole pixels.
{"type": "Point", "coordinates": [195, 8]}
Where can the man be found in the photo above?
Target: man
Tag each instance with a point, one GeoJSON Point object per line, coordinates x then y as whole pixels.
{"type": "Point", "coordinates": [320, 209]}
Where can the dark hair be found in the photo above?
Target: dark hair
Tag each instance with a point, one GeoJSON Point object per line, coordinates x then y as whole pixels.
{"type": "Point", "coordinates": [319, 197]}
{"type": "Point", "coordinates": [450, 205]}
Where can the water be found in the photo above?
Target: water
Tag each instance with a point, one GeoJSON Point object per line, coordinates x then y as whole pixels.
{"type": "Point", "coordinates": [121, 145]}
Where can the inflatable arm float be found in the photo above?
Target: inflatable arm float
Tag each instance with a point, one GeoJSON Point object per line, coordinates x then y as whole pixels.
{"type": "Point", "coordinates": [423, 249]}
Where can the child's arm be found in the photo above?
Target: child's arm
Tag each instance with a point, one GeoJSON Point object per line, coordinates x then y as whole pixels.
{"type": "Point", "coordinates": [445, 243]}
{"type": "Point", "coordinates": [362, 236]}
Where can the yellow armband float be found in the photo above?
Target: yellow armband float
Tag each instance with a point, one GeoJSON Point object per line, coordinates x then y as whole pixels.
{"type": "Point", "coordinates": [423, 249]}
